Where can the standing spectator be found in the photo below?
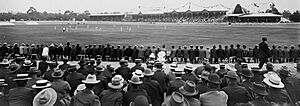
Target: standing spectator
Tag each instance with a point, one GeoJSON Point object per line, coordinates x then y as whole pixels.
{"type": "Point", "coordinates": [128, 53]}
{"type": "Point", "coordinates": [141, 53]}
{"type": "Point", "coordinates": [134, 53]}
{"type": "Point", "coordinates": [236, 94]}
{"type": "Point", "coordinates": [274, 54]}
{"type": "Point", "coordinates": [202, 54]}
{"type": "Point", "coordinates": [86, 97]}
{"type": "Point", "coordinates": [43, 65]}
{"type": "Point", "coordinates": [22, 49]}
{"type": "Point", "coordinates": [77, 51]}
{"type": "Point", "coordinates": [209, 98]}
{"type": "Point", "coordinates": [60, 52]}
{"type": "Point", "coordinates": [232, 53]}
{"type": "Point", "coordinates": [286, 54]}
{"type": "Point", "coordinates": [185, 54]}
{"type": "Point", "coordinates": [118, 53]}
{"type": "Point", "coordinates": [280, 54]}
{"type": "Point", "coordinates": [197, 54]}
{"type": "Point", "coordinates": [227, 53]}
{"type": "Point", "coordinates": [264, 52]}
{"type": "Point", "coordinates": [73, 53]}
{"type": "Point", "coordinates": [16, 49]}
{"type": "Point", "coordinates": [214, 55]}
{"type": "Point", "coordinates": [112, 96]}
{"type": "Point", "coordinates": [179, 54]}
{"type": "Point", "coordinates": [192, 55]}
{"type": "Point", "coordinates": [239, 52]}
{"type": "Point", "coordinates": [220, 54]}
{"type": "Point", "coordinates": [172, 54]}
{"type": "Point", "coordinates": [153, 88]}
{"type": "Point", "coordinates": [294, 54]}
{"type": "Point", "coordinates": [67, 51]}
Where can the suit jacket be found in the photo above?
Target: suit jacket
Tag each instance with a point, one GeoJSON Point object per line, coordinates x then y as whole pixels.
{"type": "Point", "coordinates": [264, 51]}
{"type": "Point", "coordinates": [220, 53]}
{"type": "Point", "coordinates": [161, 78]}
{"type": "Point", "coordinates": [174, 85]}
{"type": "Point", "coordinates": [239, 53]}
{"type": "Point", "coordinates": [192, 53]}
{"type": "Point", "coordinates": [279, 96]}
{"type": "Point", "coordinates": [236, 94]}
{"type": "Point", "coordinates": [154, 91]}
{"type": "Point", "coordinates": [132, 93]}
{"type": "Point", "coordinates": [185, 53]}
{"type": "Point", "coordinates": [179, 53]}
{"type": "Point", "coordinates": [213, 98]}
{"type": "Point", "coordinates": [213, 53]}
{"type": "Point", "coordinates": [111, 98]}
{"type": "Point", "coordinates": [62, 88]}
{"type": "Point", "coordinates": [21, 96]}
{"type": "Point", "coordinates": [74, 79]}
{"type": "Point", "coordinates": [85, 98]}
{"type": "Point", "coordinates": [124, 72]}
{"type": "Point", "coordinates": [190, 77]}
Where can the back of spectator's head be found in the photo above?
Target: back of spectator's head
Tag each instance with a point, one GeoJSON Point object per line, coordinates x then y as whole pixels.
{"type": "Point", "coordinates": [264, 39]}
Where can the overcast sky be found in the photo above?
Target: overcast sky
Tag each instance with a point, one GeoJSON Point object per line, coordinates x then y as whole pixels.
{"type": "Point", "coordinates": [97, 6]}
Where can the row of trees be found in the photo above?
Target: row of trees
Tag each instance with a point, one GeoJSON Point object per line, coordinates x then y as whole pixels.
{"type": "Point", "coordinates": [33, 14]}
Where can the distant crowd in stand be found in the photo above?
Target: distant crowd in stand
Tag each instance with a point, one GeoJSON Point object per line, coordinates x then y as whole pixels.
{"type": "Point", "coordinates": [192, 54]}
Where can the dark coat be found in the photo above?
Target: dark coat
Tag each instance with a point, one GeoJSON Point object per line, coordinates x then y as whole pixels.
{"type": "Point", "coordinates": [154, 91]}
{"type": "Point", "coordinates": [232, 52]}
{"type": "Point", "coordinates": [239, 53]}
{"type": "Point", "coordinates": [4, 100]}
{"type": "Point", "coordinates": [186, 53]}
{"type": "Point", "coordinates": [192, 53]}
{"type": "Point", "coordinates": [111, 98]}
{"type": "Point", "coordinates": [83, 71]}
{"type": "Point", "coordinates": [255, 52]}
{"type": "Point", "coordinates": [128, 52]}
{"type": "Point", "coordinates": [220, 53]}
{"type": "Point", "coordinates": [74, 79]}
{"type": "Point", "coordinates": [161, 78]}
{"type": "Point", "coordinates": [202, 53]}
{"type": "Point", "coordinates": [236, 94]}
{"type": "Point", "coordinates": [124, 72]}
{"type": "Point", "coordinates": [294, 53]}
{"type": "Point", "coordinates": [197, 52]}
{"type": "Point", "coordinates": [190, 77]}
{"type": "Point", "coordinates": [179, 53]}
{"type": "Point", "coordinates": [261, 102]}
{"type": "Point", "coordinates": [132, 93]}
{"type": "Point", "coordinates": [264, 51]}
{"type": "Point", "coordinates": [274, 53]}
{"type": "Point", "coordinates": [213, 53]}
{"type": "Point", "coordinates": [21, 96]}
{"type": "Point", "coordinates": [85, 98]}
{"type": "Point", "coordinates": [174, 85]}
{"type": "Point", "coordinates": [279, 96]}
{"type": "Point", "coordinates": [47, 75]}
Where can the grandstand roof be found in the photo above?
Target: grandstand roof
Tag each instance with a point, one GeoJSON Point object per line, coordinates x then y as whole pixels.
{"type": "Point", "coordinates": [262, 15]}
{"type": "Point", "coordinates": [106, 14]}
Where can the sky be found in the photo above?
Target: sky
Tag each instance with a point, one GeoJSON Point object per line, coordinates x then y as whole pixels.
{"type": "Point", "coordinates": [98, 6]}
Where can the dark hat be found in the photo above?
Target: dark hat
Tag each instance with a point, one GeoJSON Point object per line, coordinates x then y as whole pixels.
{"type": "Point", "coordinates": [244, 65]}
{"type": "Point", "coordinates": [140, 101]}
{"type": "Point", "coordinates": [135, 80]}
{"type": "Point", "coordinates": [33, 70]}
{"type": "Point", "coordinates": [57, 73]}
{"type": "Point", "coordinates": [72, 68]}
{"type": "Point", "coordinates": [231, 74]}
{"type": "Point", "coordinates": [99, 69]}
{"type": "Point", "coordinates": [81, 62]}
{"type": "Point", "coordinates": [222, 72]}
{"type": "Point", "coordinates": [255, 69]}
{"type": "Point", "coordinates": [246, 73]}
{"type": "Point", "coordinates": [176, 99]}
{"type": "Point", "coordinates": [148, 72]}
{"type": "Point", "coordinates": [260, 88]}
{"type": "Point", "coordinates": [189, 89]}
{"type": "Point", "coordinates": [214, 78]}
{"type": "Point", "coordinates": [122, 61]}
{"type": "Point", "coordinates": [65, 60]}
{"type": "Point", "coordinates": [284, 71]}
{"type": "Point", "coordinates": [52, 64]}
{"type": "Point", "coordinates": [269, 65]}
{"type": "Point", "coordinates": [21, 77]}
{"type": "Point", "coordinates": [159, 64]}
{"type": "Point", "coordinates": [14, 68]}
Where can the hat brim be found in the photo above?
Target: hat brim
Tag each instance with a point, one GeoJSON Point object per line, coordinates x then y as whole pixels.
{"type": "Point", "coordinates": [89, 82]}
{"type": "Point", "coordinates": [115, 86]}
{"type": "Point", "coordinates": [61, 75]}
{"type": "Point", "coordinates": [142, 75]}
{"type": "Point", "coordinates": [140, 82]}
{"type": "Point", "coordinates": [48, 85]}
{"type": "Point", "coordinates": [232, 77]}
{"type": "Point", "coordinates": [51, 102]}
{"type": "Point", "coordinates": [168, 102]}
{"type": "Point", "coordinates": [4, 63]}
{"type": "Point", "coordinates": [219, 82]}
{"type": "Point", "coordinates": [261, 92]}
{"type": "Point", "coordinates": [186, 93]}
{"type": "Point", "coordinates": [149, 74]}
{"type": "Point", "coordinates": [249, 76]}
{"type": "Point", "coordinates": [267, 81]}
{"type": "Point", "coordinates": [21, 79]}
{"type": "Point", "coordinates": [26, 65]}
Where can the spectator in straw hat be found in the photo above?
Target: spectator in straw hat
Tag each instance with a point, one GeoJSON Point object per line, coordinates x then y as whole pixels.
{"type": "Point", "coordinates": [177, 83]}
{"type": "Point", "coordinates": [47, 97]}
{"type": "Point", "coordinates": [61, 87]}
{"type": "Point", "coordinates": [112, 96]}
{"type": "Point", "coordinates": [176, 99]}
{"type": "Point", "coordinates": [236, 94]}
{"type": "Point", "coordinates": [170, 74]}
{"type": "Point", "coordinates": [153, 88]}
{"type": "Point", "coordinates": [189, 91]}
{"type": "Point", "coordinates": [74, 78]}
{"type": "Point", "coordinates": [47, 75]}
{"type": "Point", "coordinates": [202, 84]}
{"type": "Point", "coordinates": [34, 74]}
{"type": "Point", "coordinates": [21, 95]}
{"type": "Point", "coordinates": [188, 75]}
{"type": "Point", "coordinates": [140, 101]}
{"type": "Point", "coordinates": [134, 91]}
{"type": "Point", "coordinates": [260, 91]}
{"type": "Point", "coordinates": [86, 97]}
{"type": "Point", "coordinates": [123, 70]}
{"type": "Point", "coordinates": [160, 76]}
{"type": "Point", "coordinates": [276, 88]}
{"type": "Point", "coordinates": [209, 98]}
{"type": "Point", "coordinates": [40, 85]}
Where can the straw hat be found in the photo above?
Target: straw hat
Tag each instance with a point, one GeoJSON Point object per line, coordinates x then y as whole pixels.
{"type": "Point", "coordinates": [231, 74]}
{"type": "Point", "coordinates": [260, 89]}
{"type": "Point", "coordinates": [21, 77]}
{"type": "Point", "coordinates": [138, 73]}
{"type": "Point", "coordinates": [115, 83]}
{"type": "Point", "coordinates": [91, 79]}
{"type": "Point", "coordinates": [138, 60]}
{"type": "Point", "coordinates": [246, 73]}
{"type": "Point", "coordinates": [204, 74]}
{"type": "Point", "coordinates": [189, 89]}
{"type": "Point", "coordinates": [5, 62]}
{"type": "Point", "coordinates": [231, 67]}
{"type": "Point", "coordinates": [135, 80]}
{"type": "Point", "coordinates": [152, 55]}
{"type": "Point", "coordinates": [273, 80]}
{"type": "Point", "coordinates": [189, 66]}
{"type": "Point", "coordinates": [41, 84]}
{"type": "Point", "coordinates": [57, 73]}
{"type": "Point", "coordinates": [79, 88]}
{"type": "Point", "coordinates": [148, 72]}
{"type": "Point", "coordinates": [173, 66]}
{"type": "Point", "coordinates": [33, 70]}
{"type": "Point", "coordinates": [47, 97]}
{"type": "Point", "coordinates": [176, 99]}
{"type": "Point", "coordinates": [27, 63]}
{"type": "Point", "coordinates": [2, 83]}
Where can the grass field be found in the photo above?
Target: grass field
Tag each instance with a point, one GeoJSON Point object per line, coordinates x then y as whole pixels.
{"type": "Point", "coordinates": [153, 34]}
